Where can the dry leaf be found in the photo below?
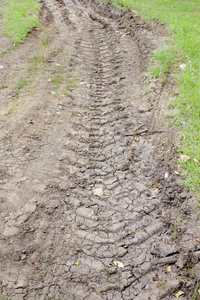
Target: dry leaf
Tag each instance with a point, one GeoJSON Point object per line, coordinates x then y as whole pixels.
{"type": "Point", "coordinates": [123, 35]}
{"type": "Point", "coordinates": [154, 191]}
{"type": "Point", "coordinates": [109, 264]}
{"type": "Point", "coordinates": [184, 158]}
{"type": "Point", "coordinates": [133, 232]}
{"type": "Point", "coordinates": [63, 227]}
{"type": "Point", "coordinates": [198, 240]}
{"type": "Point", "coordinates": [137, 138]}
{"type": "Point", "coordinates": [118, 264]}
{"type": "Point", "coordinates": [154, 274]}
{"type": "Point", "coordinates": [178, 294]}
{"type": "Point", "coordinates": [196, 160]}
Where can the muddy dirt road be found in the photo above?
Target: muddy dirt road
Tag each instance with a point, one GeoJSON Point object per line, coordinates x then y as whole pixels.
{"type": "Point", "coordinates": [91, 202]}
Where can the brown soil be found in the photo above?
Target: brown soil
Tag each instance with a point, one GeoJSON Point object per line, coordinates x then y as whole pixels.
{"type": "Point", "coordinates": [91, 202]}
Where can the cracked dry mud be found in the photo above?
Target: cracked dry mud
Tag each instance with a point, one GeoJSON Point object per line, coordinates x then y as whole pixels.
{"type": "Point", "coordinates": [84, 178]}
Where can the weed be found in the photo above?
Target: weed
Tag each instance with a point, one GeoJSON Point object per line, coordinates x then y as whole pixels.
{"type": "Point", "coordinates": [196, 290]}
{"type": "Point", "coordinates": [37, 249]}
{"type": "Point", "coordinates": [1, 86]}
{"type": "Point", "coordinates": [106, 275]}
{"type": "Point", "coordinates": [19, 16]}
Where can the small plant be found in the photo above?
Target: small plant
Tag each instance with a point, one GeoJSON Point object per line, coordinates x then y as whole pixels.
{"type": "Point", "coordinates": [44, 272]}
{"type": "Point", "coordinates": [37, 249]}
{"type": "Point", "coordinates": [175, 226]}
{"type": "Point", "coordinates": [161, 282]}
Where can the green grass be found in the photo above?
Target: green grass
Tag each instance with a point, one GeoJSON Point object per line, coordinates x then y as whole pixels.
{"type": "Point", "coordinates": [19, 16]}
{"type": "Point", "coordinates": [183, 23]}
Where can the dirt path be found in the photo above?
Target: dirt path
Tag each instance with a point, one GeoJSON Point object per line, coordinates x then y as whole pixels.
{"type": "Point", "coordinates": [91, 206]}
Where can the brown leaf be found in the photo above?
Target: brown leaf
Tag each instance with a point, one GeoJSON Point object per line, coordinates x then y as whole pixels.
{"type": "Point", "coordinates": [63, 227]}
{"type": "Point", "coordinates": [154, 274]}
{"type": "Point", "coordinates": [133, 232]}
{"type": "Point", "coordinates": [167, 268]}
{"type": "Point", "coordinates": [198, 240]}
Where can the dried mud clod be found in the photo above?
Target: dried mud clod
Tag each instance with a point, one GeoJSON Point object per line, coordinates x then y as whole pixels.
{"type": "Point", "coordinates": [91, 207]}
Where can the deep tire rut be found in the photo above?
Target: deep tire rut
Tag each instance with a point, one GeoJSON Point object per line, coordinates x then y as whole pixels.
{"type": "Point", "coordinates": [116, 237]}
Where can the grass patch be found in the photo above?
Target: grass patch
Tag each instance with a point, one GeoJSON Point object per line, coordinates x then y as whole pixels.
{"type": "Point", "coordinates": [183, 55]}
{"type": "Point", "coordinates": [19, 16]}
{"type": "Point", "coordinates": [35, 63]}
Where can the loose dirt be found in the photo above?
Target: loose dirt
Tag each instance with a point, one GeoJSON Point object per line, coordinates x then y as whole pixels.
{"type": "Point", "coordinates": [91, 202]}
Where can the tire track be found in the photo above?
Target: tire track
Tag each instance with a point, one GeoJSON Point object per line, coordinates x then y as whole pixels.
{"type": "Point", "coordinates": [116, 233]}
